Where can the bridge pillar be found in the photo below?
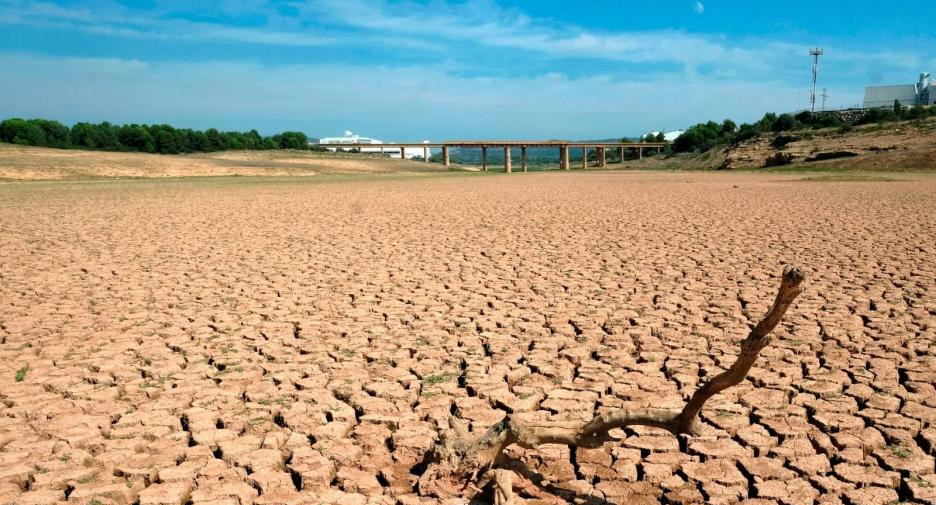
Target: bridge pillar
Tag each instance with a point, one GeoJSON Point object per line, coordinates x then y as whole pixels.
{"type": "Point", "coordinates": [507, 161]}
{"type": "Point", "coordinates": [564, 157]}
{"type": "Point", "coordinates": [601, 156]}
{"type": "Point", "coordinates": [445, 156]}
{"type": "Point", "coordinates": [584, 158]}
{"type": "Point", "coordinates": [622, 154]}
{"type": "Point", "coordinates": [402, 153]}
{"type": "Point", "coordinates": [523, 157]}
{"type": "Point", "coordinates": [639, 153]}
{"type": "Point", "coordinates": [484, 158]}
{"type": "Point", "coordinates": [425, 154]}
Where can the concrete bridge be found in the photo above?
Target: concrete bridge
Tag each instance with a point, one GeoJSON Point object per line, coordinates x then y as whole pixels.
{"type": "Point", "coordinates": [562, 145]}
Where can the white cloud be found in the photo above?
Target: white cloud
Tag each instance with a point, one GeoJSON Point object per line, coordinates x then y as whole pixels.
{"type": "Point", "coordinates": [112, 19]}
{"type": "Point", "coordinates": [475, 23]}
{"type": "Point", "coordinates": [485, 23]}
{"type": "Point", "coordinates": [718, 76]}
{"type": "Point", "coordinates": [437, 29]}
{"type": "Point", "coordinates": [327, 99]}
{"type": "Point", "coordinates": [699, 8]}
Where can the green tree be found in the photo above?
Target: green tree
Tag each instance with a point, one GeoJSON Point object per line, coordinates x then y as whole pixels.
{"type": "Point", "coordinates": [728, 127]}
{"type": "Point", "coordinates": [137, 138]}
{"type": "Point", "coordinates": [766, 123]}
{"type": "Point", "coordinates": [293, 140]}
{"type": "Point", "coordinates": [56, 134]}
{"type": "Point", "coordinates": [166, 140]}
{"type": "Point", "coordinates": [21, 131]}
{"type": "Point", "coordinates": [107, 137]}
{"type": "Point", "coordinates": [785, 122]}
{"type": "Point", "coordinates": [271, 142]}
{"type": "Point", "coordinates": [83, 135]}
{"type": "Point", "coordinates": [253, 140]}
{"type": "Point", "coordinates": [214, 140]}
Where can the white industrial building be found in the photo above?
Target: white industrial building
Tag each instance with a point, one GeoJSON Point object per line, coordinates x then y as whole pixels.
{"type": "Point", "coordinates": [351, 138]}
{"type": "Point", "coordinates": [921, 93]}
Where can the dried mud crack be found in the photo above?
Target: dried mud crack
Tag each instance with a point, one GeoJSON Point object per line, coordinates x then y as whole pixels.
{"type": "Point", "coordinates": [258, 343]}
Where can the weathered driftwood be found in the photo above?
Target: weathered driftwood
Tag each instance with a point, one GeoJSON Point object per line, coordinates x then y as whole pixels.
{"type": "Point", "coordinates": [458, 466]}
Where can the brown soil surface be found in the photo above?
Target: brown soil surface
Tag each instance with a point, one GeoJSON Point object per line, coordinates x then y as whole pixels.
{"type": "Point", "coordinates": [271, 341]}
{"type": "Point", "coordinates": [19, 163]}
{"type": "Point", "coordinates": [891, 147]}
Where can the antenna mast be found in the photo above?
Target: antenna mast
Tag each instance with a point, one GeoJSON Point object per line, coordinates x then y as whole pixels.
{"type": "Point", "coordinates": [815, 53]}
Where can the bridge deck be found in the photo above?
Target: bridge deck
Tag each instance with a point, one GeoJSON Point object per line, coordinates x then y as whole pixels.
{"type": "Point", "coordinates": [562, 145]}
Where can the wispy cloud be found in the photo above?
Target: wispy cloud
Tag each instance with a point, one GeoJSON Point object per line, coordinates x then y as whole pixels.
{"type": "Point", "coordinates": [463, 67]}
{"type": "Point", "coordinates": [485, 23]}
{"type": "Point", "coordinates": [371, 99]}
{"type": "Point", "coordinates": [112, 19]}
{"type": "Point", "coordinates": [439, 28]}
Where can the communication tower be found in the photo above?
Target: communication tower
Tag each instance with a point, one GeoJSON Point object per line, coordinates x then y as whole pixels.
{"type": "Point", "coordinates": [815, 53]}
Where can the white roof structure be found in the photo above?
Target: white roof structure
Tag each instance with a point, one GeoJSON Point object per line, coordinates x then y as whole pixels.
{"type": "Point", "coordinates": [350, 137]}
{"type": "Point", "coordinates": [669, 136]}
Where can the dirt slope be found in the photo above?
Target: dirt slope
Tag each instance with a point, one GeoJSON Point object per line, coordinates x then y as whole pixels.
{"type": "Point", "coordinates": [37, 163]}
{"type": "Point", "coordinates": [896, 146]}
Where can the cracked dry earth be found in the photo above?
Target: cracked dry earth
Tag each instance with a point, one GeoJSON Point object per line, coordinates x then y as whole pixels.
{"type": "Point", "coordinates": [242, 342]}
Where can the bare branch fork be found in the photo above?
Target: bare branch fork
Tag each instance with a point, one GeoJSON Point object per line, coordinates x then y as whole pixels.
{"type": "Point", "coordinates": [459, 466]}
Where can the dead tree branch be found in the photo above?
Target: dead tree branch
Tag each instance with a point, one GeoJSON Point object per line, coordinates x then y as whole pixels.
{"type": "Point", "coordinates": [457, 464]}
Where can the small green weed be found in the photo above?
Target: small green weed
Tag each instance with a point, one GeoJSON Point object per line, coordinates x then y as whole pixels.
{"type": "Point", "coordinates": [900, 452]}
{"type": "Point", "coordinates": [438, 379]}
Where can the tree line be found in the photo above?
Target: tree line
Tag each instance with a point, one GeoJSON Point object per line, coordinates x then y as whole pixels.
{"type": "Point", "coordinates": [161, 138]}
{"type": "Point", "coordinates": [705, 136]}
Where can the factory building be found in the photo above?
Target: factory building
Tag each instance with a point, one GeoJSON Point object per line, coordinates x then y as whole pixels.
{"type": "Point", "coordinates": [921, 93]}
{"type": "Point", "coordinates": [352, 138]}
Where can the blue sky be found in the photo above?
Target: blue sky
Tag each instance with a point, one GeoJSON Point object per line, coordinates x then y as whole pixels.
{"type": "Point", "coordinates": [448, 69]}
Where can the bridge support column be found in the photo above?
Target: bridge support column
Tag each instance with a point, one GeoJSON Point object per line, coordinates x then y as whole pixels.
{"type": "Point", "coordinates": [484, 159]}
{"type": "Point", "coordinates": [445, 157]}
{"type": "Point", "coordinates": [508, 168]}
{"type": "Point", "coordinates": [584, 158]}
{"type": "Point", "coordinates": [601, 156]}
{"type": "Point", "coordinates": [639, 153]}
{"type": "Point", "coordinates": [564, 157]}
{"type": "Point", "coordinates": [523, 157]}
{"type": "Point", "coordinates": [426, 155]}
{"type": "Point", "coordinates": [622, 155]}
{"type": "Point", "coordinates": [402, 153]}
{"type": "Point", "coordinates": [381, 151]}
